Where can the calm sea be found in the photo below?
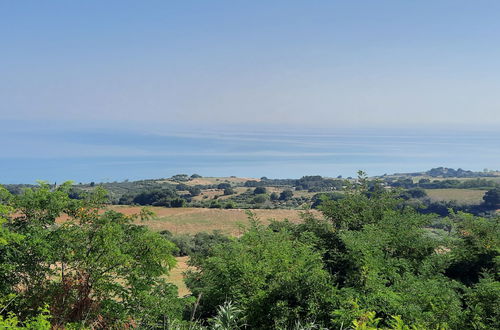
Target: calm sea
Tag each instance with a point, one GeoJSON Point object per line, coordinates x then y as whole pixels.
{"type": "Point", "coordinates": [29, 153]}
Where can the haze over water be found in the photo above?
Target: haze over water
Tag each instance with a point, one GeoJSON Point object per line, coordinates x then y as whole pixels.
{"type": "Point", "coordinates": [85, 154]}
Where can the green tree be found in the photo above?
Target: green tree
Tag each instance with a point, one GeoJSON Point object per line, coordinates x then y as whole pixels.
{"type": "Point", "coordinates": [383, 260]}
{"type": "Point", "coordinates": [274, 279]}
{"type": "Point", "coordinates": [259, 199]}
{"type": "Point", "coordinates": [475, 249]}
{"type": "Point", "coordinates": [97, 268]}
{"type": "Point", "coordinates": [223, 185]}
{"type": "Point", "coordinates": [259, 190]}
{"type": "Point", "coordinates": [286, 195]}
{"type": "Point", "coordinates": [194, 191]}
{"type": "Point", "coordinates": [8, 238]}
{"type": "Point", "coordinates": [492, 198]}
{"type": "Point", "coordinates": [229, 191]}
{"type": "Point", "coordinates": [483, 301]}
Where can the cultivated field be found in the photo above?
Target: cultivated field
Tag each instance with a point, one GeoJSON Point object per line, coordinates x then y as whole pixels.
{"type": "Point", "coordinates": [193, 220]}
{"type": "Point", "coordinates": [464, 196]}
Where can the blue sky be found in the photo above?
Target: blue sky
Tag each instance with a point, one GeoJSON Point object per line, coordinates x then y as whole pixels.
{"type": "Point", "coordinates": [152, 67]}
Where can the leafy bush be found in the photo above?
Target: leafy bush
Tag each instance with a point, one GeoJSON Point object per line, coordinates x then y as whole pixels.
{"type": "Point", "coordinates": [97, 269]}
{"type": "Point", "coordinates": [259, 191]}
{"type": "Point", "coordinates": [275, 280]}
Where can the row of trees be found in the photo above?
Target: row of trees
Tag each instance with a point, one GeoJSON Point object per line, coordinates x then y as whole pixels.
{"type": "Point", "coordinates": [408, 183]}
{"type": "Point", "coordinates": [312, 183]}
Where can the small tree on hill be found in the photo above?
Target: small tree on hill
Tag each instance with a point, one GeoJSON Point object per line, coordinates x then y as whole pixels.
{"type": "Point", "coordinates": [286, 195]}
{"type": "Point", "coordinates": [259, 190]}
{"type": "Point", "coordinates": [228, 191]}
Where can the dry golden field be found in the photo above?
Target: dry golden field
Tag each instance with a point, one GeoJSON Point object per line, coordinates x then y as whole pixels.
{"type": "Point", "coordinates": [176, 275]}
{"type": "Point", "coordinates": [464, 196]}
{"type": "Point", "coordinates": [188, 220]}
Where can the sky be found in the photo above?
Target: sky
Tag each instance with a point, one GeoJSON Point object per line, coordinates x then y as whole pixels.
{"type": "Point", "coordinates": [113, 70]}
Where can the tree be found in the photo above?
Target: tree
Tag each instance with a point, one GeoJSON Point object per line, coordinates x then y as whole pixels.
{"type": "Point", "coordinates": [180, 177]}
{"type": "Point", "coordinates": [382, 258]}
{"type": "Point", "coordinates": [181, 186]}
{"type": "Point", "coordinates": [8, 239]}
{"type": "Point", "coordinates": [483, 300]}
{"type": "Point", "coordinates": [286, 195]}
{"type": "Point", "coordinates": [413, 193]}
{"type": "Point", "coordinates": [259, 190]}
{"type": "Point", "coordinates": [424, 181]}
{"type": "Point", "coordinates": [317, 199]}
{"type": "Point", "coordinates": [223, 185]}
{"type": "Point", "coordinates": [259, 199]}
{"type": "Point", "coordinates": [476, 248]}
{"type": "Point", "coordinates": [492, 198]}
{"type": "Point", "coordinates": [159, 197]}
{"type": "Point", "coordinates": [96, 268]}
{"type": "Point", "coordinates": [194, 191]}
{"type": "Point", "coordinates": [229, 191]}
{"type": "Point", "coordinates": [274, 279]}
{"type": "Point", "coordinates": [230, 205]}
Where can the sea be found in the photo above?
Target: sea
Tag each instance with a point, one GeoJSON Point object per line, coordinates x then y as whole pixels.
{"type": "Point", "coordinates": [31, 151]}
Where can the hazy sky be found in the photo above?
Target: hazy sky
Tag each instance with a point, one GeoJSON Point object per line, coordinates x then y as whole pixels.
{"type": "Point", "coordinates": [308, 63]}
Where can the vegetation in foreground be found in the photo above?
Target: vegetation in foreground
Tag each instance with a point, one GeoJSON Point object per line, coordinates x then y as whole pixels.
{"type": "Point", "coordinates": [371, 262]}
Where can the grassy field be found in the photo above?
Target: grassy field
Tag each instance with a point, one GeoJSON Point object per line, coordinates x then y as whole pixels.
{"type": "Point", "coordinates": [193, 220]}
{"type": "Point", "coordinates": [464, 196]}
{"type": "Point", "coordinates": [176, 275]}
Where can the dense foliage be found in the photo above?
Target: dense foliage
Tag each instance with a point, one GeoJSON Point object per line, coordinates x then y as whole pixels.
{"type": "Point", "coordinates": [373, 260]}
{"type": "Point", "coordinates": [96, 268]}
{"type": "Point", "coordinates": [370, 262]}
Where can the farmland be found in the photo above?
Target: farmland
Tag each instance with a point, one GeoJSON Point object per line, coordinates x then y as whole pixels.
{"type": "Point", "coordinates": [192, 220]}
{"type": "Point", "coordinates": [462, 196]}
